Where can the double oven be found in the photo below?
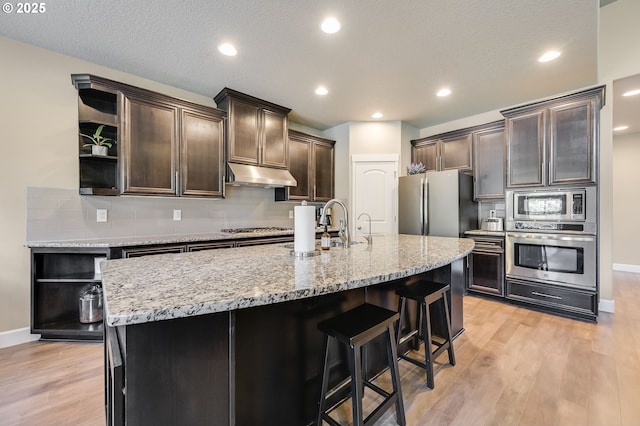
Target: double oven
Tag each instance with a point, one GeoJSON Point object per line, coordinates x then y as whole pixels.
{"type": "Point", "coordinates": [551, 236]}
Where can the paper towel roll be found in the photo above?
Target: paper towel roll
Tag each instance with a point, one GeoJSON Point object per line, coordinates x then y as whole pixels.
{"type": "Point", "coordinates": [304, 235]}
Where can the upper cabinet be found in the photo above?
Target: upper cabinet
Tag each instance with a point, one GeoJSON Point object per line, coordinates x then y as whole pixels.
{"type": "Point", "coordinates": [165, 146]}
{"type": "Point", "coordinates": [554, 142]}
{"type": "Point", "coordinates": [312, 165]}
{"type": "Point", "coordinates": [257, 130]}
{"type": "Point", "coordinates": [488, 162]}
{"type": "Point", "coordinates": [444, 152]}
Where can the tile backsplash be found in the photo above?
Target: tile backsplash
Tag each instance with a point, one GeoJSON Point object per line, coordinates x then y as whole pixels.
{"type": "Point", "coordinates": [485, 206]}
{"type": "Point", "coordinates": [62, 214]}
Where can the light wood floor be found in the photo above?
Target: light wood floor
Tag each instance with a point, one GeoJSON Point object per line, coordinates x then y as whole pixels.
{"type": "Point", "coordinates": [514, 367]}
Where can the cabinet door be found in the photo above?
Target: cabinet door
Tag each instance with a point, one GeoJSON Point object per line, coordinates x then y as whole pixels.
{"type": "Point", "coordinates": [323, 155]}
{"type": "Point", "coordinates": [455, 153]}
{"type": "Point", "coordinates": [300, 155]}
{"type": "Point", "coordinates": [202, 155]}
{"type": "Point", "coordinates": [274, 139]}
{"type": "Point", "coordinates": [487, 272]}
{"type": "Point", "coordinates": [427, 154]}
{"type": "Point", "coordinates": [149, 147]}
{"type": "Point", "coordinates": [243, 132]}
{"type": "Point", "coordinates": [572, 143]}
{"type": "Point", "coordinates": [488, 164]}
{"type": "Point", "coordinates": [525, 150]}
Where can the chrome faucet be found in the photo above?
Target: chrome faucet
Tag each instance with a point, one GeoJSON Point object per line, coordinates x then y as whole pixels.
{"type": "Point", "coordinates": [347, 240]}
{"type": "Point", "coordinates": [369, 237]}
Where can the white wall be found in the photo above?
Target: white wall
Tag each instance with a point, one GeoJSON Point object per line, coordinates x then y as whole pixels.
{"type": "Point", "coordinates": [626, 203]}
{"type": "Point", "coordinates": [39, 113]}
{"type": "Point", "coordinates": [617, 58]}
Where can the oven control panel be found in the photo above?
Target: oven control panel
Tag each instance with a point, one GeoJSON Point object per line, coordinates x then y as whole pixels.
{"type": "Point", "coordinates": [548, 226]}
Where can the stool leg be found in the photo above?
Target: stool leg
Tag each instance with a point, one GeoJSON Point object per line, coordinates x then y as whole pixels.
{"type": "Point", "coordinates": [452, 357]}
{"type": "Point", "coordinates": [325, 381]}
{"type": "Point", "coordinates": [401, 305]}
{"type": "Point", "coordinates": [355, 364]}
{"type": "Point", "coordinates": [426, 328]}
{"type": "Point", "coordinates": [392, 356]}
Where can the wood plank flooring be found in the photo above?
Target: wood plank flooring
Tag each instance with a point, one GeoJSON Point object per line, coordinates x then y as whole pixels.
{"type": "Point", "coordinates": [514, 367]}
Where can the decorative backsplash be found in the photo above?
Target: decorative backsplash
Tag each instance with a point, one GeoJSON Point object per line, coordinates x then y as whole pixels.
{"type": "Point", "coordinates": [63, 214]}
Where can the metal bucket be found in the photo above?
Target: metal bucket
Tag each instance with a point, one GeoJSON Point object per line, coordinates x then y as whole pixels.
{"type": "Point", "coordinates": [90, 305]}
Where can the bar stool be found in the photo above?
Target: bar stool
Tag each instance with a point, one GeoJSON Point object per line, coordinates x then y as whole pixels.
{"type": "Point", "coordinates": [425, 293]}
{"type": "Point", "coordinates": [356, 328]}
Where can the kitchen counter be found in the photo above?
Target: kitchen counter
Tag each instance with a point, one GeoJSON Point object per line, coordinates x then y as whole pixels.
{"type": "Point", "coordinates": [230, 336]}
{"type": "Point", "coordinates": [163, 239]}
{"type": "Point", "coordinates": [161, 287]}
{"type": "Point", "coordinates": [481, 232]}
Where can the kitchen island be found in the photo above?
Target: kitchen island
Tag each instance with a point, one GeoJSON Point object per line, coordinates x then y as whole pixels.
{"type": "Point", "coordinates": [229, 336]}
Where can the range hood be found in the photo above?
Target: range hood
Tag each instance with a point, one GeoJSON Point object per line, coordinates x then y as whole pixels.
{"type": "Point", "coordinates": [247, 175]}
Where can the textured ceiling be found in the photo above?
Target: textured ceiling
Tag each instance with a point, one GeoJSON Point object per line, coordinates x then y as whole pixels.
{"type": "Point", "coordinates": [390, 56]}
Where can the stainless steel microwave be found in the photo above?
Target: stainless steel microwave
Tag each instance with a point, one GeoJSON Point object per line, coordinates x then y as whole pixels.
{"type": "Point", "coordinates": [567, 209]}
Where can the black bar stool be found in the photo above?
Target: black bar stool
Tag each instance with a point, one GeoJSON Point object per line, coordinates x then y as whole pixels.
{"type": "Point", "coordinates": [355, 328]}
{"type": "Point", "coordinates": [426, 293]}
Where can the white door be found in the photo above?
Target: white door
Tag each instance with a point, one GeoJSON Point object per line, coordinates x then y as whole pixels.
{"type": "Point", "coordinates": [375, 191]}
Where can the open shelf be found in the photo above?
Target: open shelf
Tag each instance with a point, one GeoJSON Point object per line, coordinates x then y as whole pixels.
{"type": "Point", "coordinates": [70, 329]}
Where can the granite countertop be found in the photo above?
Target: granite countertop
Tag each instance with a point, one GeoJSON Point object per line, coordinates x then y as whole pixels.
{"type": "Point", "coordinates": [162, 239]}
{"type": "Point", "coordinates": [166, 286]}
{"type": "Point", "coordinates": [482, 232]}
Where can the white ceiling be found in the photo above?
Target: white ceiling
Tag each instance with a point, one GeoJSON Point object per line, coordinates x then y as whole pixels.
{"type": "Point", "coordinates": [390, 56]}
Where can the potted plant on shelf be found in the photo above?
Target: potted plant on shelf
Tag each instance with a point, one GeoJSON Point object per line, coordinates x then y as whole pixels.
{"type": "Point", "coordinates": [416, 168]}
{"type": "Point", "coordinates": [99, 144]}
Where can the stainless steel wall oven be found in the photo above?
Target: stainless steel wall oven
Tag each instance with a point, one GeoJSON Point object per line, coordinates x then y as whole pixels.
{"type": "Point", "coordinates": [551, 236]}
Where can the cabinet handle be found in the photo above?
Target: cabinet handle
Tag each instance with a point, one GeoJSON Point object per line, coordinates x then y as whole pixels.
{"type": "Point", "coordinates": [314, 192]}
{"type": "Point", "coordinates": [550, 296]}
{"type": "Point", "coordinates": [177, 183]}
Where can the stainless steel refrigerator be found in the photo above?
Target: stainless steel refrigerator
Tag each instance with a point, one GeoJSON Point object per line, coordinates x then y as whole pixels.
{"type": "Point", "coordinates": [437, 203]}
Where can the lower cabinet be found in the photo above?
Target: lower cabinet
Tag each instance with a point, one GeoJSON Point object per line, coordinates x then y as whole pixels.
{"type": "Point", "coordinates": [486, 266]}
{"type": "Point", "coordinates": [562, 300]}
{"type": "Point", "coordinates": [154, 370]}
{"type": "Point", "coordinates": [59, 276]}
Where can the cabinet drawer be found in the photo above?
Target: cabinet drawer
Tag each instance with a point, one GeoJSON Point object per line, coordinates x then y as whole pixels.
{"type": "Point", "coordinates": [574, 301]}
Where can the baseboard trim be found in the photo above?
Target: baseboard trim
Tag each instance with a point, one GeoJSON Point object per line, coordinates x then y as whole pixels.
{"type": "Point", "coordinates": [626, 268]}
{"type": "Point", "coordinates": [16, 337]}
{"type": "Point", "coordinates": [607, 306]}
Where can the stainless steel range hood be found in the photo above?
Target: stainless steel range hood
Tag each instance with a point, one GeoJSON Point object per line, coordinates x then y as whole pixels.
{"type": "Point", "coordinates": [247, 175]}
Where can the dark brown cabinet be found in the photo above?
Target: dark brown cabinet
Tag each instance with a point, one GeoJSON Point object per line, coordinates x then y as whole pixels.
{"type": "Point", "coordinates": [257, 129]}
{"type": "Point", "coordinates": [488, 162]}
{"type": "Point", "coordinates": [98, 105]}
{"type": "Point", "coordinates": [554, 142]}
{"type": "Point", "coordinates": [486, 266]}
{"type": "Point", "coordinates": [149, 146]}
{"type": "Point", "coordinates": [312, 164]}
{"type": "Point", "coordinates": [202, 155]}
{"type": "Point", "coordinates": [58, 278]}
{"type": "Point", "coordinates": [165, 146]}
{"type": "Point", "coordinates": [444, 152]}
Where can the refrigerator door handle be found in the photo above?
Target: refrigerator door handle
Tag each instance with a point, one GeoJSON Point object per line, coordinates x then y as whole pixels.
{"type": "Point", "coordinates": [425, 207]}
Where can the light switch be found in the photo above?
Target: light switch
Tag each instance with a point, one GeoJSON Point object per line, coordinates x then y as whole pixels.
{"type": "Point", "coordinates": [101, 215]}
{"type": "Point", "coordinates": [177, 215]}
{"type": "Point", "coordinates": [290, 214]}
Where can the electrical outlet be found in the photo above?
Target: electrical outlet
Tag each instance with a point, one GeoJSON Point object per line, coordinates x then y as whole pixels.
{"type": "Point", "coordinates": [101, 215]}
{"type": "Point", "coordinates": [290, 214]}
{"type": "Point", "coordinates": [177, 215]}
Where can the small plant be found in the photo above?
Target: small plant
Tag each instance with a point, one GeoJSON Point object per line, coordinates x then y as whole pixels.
{"type": "Point", "coordinates": [416, 168]}
{"type": "Point", "coordinates": [97, 138]}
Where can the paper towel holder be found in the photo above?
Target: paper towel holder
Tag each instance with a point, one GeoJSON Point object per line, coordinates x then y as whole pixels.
{"type": "Point", "coordinates": [303, 254]}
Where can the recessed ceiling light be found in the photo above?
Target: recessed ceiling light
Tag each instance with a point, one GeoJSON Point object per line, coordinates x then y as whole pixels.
{"type": "Point", "coordinates": [631, 92]}
{"type": "Point", "coordinates": [330, 25]}
{"type": "Point", "coordinates": [321, 91]}
{"type": "Point", "coordinates": [549, 56]}
{"type": "Point", "coordinates": [377, 115]}
{"type": "Point", "coordinates": [619, 128]}
{"type": "Point", "coordinates": [443, 92]}
{"type": "Point", "coordinates": [227, 49]}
